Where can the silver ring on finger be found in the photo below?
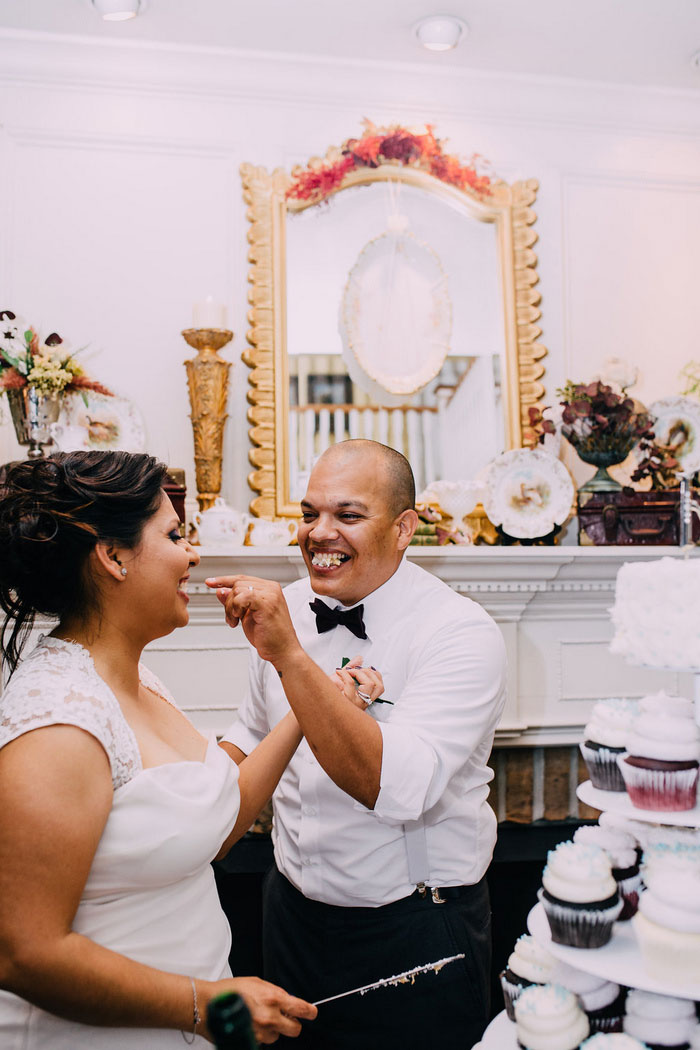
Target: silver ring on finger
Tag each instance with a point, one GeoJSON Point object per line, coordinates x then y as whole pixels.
{"type": "Point", "coordinates": [364, 696]}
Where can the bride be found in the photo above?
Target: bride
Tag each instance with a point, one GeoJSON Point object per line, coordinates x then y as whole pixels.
{"type": "Point", "coordinates": [112, 805]}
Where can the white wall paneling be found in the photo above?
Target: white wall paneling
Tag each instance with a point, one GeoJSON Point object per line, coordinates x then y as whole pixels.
{"type": "Point", "coordinates": [121, 200]}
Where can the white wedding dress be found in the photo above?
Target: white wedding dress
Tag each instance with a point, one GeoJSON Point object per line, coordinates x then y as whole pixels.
{"type": "Point", "coordinates": [150, 893]}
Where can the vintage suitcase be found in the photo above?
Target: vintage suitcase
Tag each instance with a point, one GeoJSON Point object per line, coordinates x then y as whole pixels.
{"type": "Point", "coordinates": [623, 518]}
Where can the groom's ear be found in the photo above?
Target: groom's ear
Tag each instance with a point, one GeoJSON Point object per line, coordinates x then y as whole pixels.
{"type": "Point", "coordinates": [406, 524]}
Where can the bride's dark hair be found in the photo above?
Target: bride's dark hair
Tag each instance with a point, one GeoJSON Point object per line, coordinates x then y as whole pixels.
{"type": "Point", "coordinates": [52, 513]}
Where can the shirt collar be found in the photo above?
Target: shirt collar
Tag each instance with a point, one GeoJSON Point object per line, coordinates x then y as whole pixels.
{"type": "Point", "coordinates": [380, 602]}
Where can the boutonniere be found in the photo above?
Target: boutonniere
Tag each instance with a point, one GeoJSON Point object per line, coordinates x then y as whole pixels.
{"type": "Point", "coordinates": [380, 699]}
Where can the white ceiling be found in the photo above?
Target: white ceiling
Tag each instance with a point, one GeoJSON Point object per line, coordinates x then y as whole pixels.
{"type": "Point", "coordinates": [640, 42]}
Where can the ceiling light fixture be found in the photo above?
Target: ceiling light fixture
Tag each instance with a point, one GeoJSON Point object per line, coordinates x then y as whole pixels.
{"type": "Point", "coordinates": [440, 32]}
{"type": "Point", "coordinates": [118, 10]}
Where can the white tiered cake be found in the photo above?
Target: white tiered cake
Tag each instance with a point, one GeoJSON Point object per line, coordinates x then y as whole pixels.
{"type": "Point", "coordinates": [656, 614]}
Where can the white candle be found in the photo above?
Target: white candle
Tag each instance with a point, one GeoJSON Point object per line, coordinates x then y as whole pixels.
{"type": "Point", "coordinates": [208, 314]}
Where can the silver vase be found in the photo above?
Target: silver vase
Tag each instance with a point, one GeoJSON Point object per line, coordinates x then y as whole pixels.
{"type": "Point", "coordinates": [32, 414]}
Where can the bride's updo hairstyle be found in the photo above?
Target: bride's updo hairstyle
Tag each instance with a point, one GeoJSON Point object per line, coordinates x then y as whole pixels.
{"type": "Point", "coordinates": [53, 512]}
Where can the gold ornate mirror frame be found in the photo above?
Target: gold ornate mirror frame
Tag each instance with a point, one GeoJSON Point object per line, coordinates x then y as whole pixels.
{"type": "Point", "coordinates": [269, 196]}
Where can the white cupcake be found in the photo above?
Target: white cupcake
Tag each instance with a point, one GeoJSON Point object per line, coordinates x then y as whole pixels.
{"type": "Point", "coordinates": [529, 963]}
{"type": "Point", "coordinates": [579, 895]}
{"type": "Point", "coordinates": [663, 704]}
{"type": "Point", "coordinates": [604, 738]}
{"type": "Point", "coordinates": [667, 923]}
{"type": "Point", "coordinates": [666, 835]}
{"type": "Point", "coordinates": [660, 1020]}
{"type": "Point", "coordinates": [549, 1017]}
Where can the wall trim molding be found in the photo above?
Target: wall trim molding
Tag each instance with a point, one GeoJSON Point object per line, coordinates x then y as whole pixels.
{"type": "Point", "coordinates": [75, 63]}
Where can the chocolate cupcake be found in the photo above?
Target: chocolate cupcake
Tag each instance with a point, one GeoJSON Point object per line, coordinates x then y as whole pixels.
{"type": "Point", "coordinates": [603, 1001]}
{"type": "Point", "coordinates": [604, 739]}
{"type": "Point", "coordinates": [529, 963]}
{"type": "Point", "coordinates": [622, 852]}
{"type": "Point", "coordinates": [579, 895]}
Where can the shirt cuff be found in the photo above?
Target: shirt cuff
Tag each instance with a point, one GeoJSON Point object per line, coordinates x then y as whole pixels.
{"type": "Point", "coordinates": [241, 737]}
{"type": "Point", "coordinates": [408, 767]}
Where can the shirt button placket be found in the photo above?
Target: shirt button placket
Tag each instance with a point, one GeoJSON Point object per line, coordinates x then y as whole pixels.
{"type": "Point", "coordinates": [309, 835]}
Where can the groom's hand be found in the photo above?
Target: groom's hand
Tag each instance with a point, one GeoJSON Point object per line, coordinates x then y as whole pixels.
{"type": "Point", "coordinates": [261, 609]}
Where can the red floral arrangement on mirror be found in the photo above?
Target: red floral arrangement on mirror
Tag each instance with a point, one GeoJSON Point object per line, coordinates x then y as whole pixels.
{"type": "Point", "coordinates": [392, 145]}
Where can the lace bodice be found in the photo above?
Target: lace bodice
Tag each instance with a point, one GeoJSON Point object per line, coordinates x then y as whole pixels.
{"type": "Point", "coordinates": [57, 684]}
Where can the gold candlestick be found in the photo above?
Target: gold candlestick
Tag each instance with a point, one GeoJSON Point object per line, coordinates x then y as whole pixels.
{"type": "Point", "coordinates": [207, 381]}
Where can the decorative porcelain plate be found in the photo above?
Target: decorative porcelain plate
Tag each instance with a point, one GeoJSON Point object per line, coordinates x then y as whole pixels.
{"type": "Point", "coordinates": [678, 425]}
{"type": "Point", "coordinates": [111, 422]}
{"type": "Point", "coordinates": [395, 317]}
{"type": "Point", "coordinates": [528, 492]}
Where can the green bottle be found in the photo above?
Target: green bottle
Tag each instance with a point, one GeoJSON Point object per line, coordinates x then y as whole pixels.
{"type": "Point", "coordinates": [229, 1022]}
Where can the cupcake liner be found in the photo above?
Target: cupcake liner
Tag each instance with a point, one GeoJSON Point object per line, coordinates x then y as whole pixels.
{"type": "Point", "coordinates": [667, 1046]}
{"type": "Point", "coordinates": [661, 789]}
{"type": "Point", "coordinates": [629, 891]}
{"type": "Point", "coordinates": [511, 992]}
{"type": "Point", "coordinates": [579, 926]}
{"type": "Point", "coordinates": [608, 1018]}
{"type": "Point", "coordinates": [604, 1024]}
{"type": "Point", "coordinates": [602, 767]}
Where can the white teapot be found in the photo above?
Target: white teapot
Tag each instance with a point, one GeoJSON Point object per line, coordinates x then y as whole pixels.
{"type": "Point", "coordinates": [220, 525]}
{"type": "Point", "coordinates": [69, 437]}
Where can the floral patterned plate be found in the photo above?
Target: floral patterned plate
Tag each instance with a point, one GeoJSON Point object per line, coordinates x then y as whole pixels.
{"type": "Point", "coordinates": [111, 422]}
{"type": "Point", "coordinates": [678, 426]}
{"type": "Point", "coordinates": [528, 492]}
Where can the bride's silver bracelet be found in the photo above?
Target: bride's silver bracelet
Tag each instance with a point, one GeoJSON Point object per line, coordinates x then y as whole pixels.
{"type": "Point", "coordinates": [195, 1016]}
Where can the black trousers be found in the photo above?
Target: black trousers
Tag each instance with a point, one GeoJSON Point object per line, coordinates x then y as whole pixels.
{"type": "Point", "coordinates": [316, 950]}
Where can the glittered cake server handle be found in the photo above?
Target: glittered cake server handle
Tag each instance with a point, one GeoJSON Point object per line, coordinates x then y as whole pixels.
{"type": "Point", "coordinates": [399, 978]}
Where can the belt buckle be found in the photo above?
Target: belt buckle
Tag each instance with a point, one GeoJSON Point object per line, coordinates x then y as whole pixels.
{"type": "Point", "coordinates": [435, 894]}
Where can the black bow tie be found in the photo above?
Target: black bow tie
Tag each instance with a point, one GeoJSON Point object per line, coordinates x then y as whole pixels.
{"type": "Point", "coordinates": [327, 619]}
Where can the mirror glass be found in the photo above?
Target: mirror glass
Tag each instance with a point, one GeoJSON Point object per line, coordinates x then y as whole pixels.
{"type": "Point", "coordinates": [395, 305]}
{"type": "Point", "coordinates": [424, 273]}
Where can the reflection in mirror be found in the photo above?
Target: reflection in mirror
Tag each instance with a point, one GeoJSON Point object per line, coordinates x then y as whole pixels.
{"type": "Point", "coordinates": [395, 305]}
{"type": "Point", "coordinates": [391, 273]}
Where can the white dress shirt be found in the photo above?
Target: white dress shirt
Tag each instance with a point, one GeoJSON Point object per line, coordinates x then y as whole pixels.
{"type": "Point", "coordinates": [442, 659]}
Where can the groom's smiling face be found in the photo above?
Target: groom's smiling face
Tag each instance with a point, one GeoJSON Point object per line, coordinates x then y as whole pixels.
{"type": "Point", "coordinates": [348, 536]}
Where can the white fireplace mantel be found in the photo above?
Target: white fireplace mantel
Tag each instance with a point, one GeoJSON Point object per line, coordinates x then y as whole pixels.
{"type": "Point", "coordinates": [551, 604]}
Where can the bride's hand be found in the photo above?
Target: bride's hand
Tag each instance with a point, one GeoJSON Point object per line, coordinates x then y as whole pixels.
{"type": "Point", "coordinates": [360, 685]}
{"type": "Point", "coordinates": [273, 1011]}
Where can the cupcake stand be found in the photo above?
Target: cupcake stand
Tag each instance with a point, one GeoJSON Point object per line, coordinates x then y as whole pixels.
{"type": "Point", "coordinates": [620, 960]}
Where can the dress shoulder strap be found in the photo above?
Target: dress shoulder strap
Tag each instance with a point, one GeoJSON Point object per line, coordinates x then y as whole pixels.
{"type": "Point", "coordinates": [57, 684]}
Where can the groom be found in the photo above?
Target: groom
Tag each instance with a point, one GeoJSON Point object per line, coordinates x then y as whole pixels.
{"type": "Point", "coordinates": [382, 831]}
